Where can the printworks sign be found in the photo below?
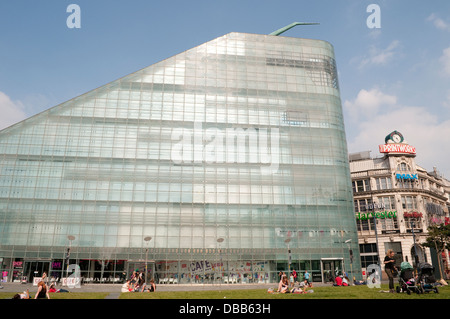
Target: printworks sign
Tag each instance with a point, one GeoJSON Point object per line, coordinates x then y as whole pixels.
{"type": "Point", "coordinates": [397, 148]}
{"type": "Point", "coordinates": [394, 143]}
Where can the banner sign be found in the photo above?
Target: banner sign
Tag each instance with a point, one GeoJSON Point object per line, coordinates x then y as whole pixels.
{"type": "Point", "coordinates": [407, 176]}
{"type": "Point", "coordinates": [381, 215]}
{"type": "Point", "coordinates": [397, 148]}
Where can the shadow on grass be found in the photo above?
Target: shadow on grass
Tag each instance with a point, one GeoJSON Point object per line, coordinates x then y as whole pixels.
{"type": "Point", "coordinates": [352, 292]}
{"type": "Point", "coordinates": [329, 292]}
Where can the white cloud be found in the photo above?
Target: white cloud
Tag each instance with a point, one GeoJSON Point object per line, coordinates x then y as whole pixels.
{"type": "Point", "coordinates": [378, 56]}
{"type": "Point", "coordinates": [422, 129]}
{"type": "Point", "coordinates": [368, 103]}
{"type": "Point", "coordinates": [11, 111]}
{"type": "Point", "coordinates": [446, 102]}
{"type": "Point", "coordinates": [439, 23]}
{"type": "Point", "coordinates": [445, 60]}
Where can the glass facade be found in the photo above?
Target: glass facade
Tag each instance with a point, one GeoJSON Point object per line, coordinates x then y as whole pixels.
{"type": "Point", "coordinates": [219, 164]}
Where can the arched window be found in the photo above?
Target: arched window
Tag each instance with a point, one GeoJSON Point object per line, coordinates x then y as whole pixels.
{"type": "Point", "coordinates": [403, 167]}
{"type": "Point", "coordinates": [421, 256]}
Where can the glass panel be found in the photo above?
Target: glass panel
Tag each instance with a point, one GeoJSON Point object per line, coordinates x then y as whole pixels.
{"type": "Point", "coordinates": [240, 138]}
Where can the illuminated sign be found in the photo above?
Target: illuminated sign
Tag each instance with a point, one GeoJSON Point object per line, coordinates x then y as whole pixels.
{"type": "Point", "coordinates": [56, 265]}
{"type": "Point", "coordinates": [397, 148]}
{"type": "Point", "coordinates": [381, 215]}
{"type": "Point", "coordinates": [406, 176]}
{"type": "Point", "coordinates": [413, 215]}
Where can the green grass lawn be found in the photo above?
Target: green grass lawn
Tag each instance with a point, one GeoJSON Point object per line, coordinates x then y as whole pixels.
{"type": "Point", "coordinates": [352, 292]}
{"type": "Point", "coordinates": [71, 295]}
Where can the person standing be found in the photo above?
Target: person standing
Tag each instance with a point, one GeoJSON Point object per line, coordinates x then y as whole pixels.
{"type": "Point", "coordinates": [294, 277]}
{"type": "Point", "coordinates": [308, 278]}
{"type": "Point", "coordinates": [389, 268]}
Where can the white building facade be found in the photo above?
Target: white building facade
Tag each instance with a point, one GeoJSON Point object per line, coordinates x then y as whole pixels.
{"type": "Point", "coordinates": [395, 201]}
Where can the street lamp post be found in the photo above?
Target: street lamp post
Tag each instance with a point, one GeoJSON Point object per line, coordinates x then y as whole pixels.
{"type": "Point", "coordinates": [350, 252]}
{"type": "Point", "coordinates": [287, 241]}
{"type": "Point", "coordinates": [376, 231]}
{"type": "Point", "coordinates": [416, 256]}
{"type": "Point", "coordinates": [70, 238]}
{"type": "Point", "coordinates": [146, 239]}
{"type": "Point", "coordinates": [220, 241]}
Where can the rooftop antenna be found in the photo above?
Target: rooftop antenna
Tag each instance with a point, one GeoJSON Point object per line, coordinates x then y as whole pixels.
{"type": "Point", "coordinates": [284, 29]}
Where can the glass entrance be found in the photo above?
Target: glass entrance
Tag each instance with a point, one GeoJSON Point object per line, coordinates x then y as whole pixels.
{"type": "Point", "coordinates": [331, 268]}
{"type": "Point", "coordinates": [35, 269]}
{"type": "Point", "coordinates": [141, 267]}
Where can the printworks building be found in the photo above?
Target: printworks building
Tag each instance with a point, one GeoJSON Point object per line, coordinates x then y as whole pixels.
{"type": "Point", "coordinates": [225, 163]}
{"type": "Point", "coordinates": [405, 199]}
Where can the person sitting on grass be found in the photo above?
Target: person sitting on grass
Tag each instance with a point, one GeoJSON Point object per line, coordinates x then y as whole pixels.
{"type": "Point", "coordinates": [304, 284]}
{"type": "Point", "coordinates": [126, 287]}
{"type": "Point", "coordinates": [24, 295]}
{"type": "Point", "coordinates": [283, 286]}
{"type": "Point", "coordinates": [42, 292]}
{"type": "Point", "coordinates": [53, 289]}
{"type": "Point", "coordinates": [152, 285]}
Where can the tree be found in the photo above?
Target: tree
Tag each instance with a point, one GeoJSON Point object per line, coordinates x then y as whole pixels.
{"type": "Point", "coordinates": [439, 239]}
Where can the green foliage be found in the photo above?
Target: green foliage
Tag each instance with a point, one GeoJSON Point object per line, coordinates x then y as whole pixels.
{"type": "Point", "coordinates": [438, 237]}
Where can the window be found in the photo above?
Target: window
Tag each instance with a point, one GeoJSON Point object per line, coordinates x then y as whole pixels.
{"type": "Point", "coordinates": [388, 202]}
{"type": "Point", "coordinates": [384, 183]}
{"type": "Point", "coordinates": [409, 202]}
{"type": "Point", "coordinates": [362, 205]}
{"type": "Point", "coordinates": [363, 225]}
{"type": "Point", "coordinates": [361, 185]}
{"type": "Point", "coordinates": [405, 183]}
{"type": "Point", "coordinates": [367, 248]}
{"type": "Point", "coordinates": [369, 254]}
{"type": "Point", "coordinates": [403, 167]}
{"type": "Point", "coordinates": [413, 223]}
{"type": "Point", "coordinates": [387, 224]}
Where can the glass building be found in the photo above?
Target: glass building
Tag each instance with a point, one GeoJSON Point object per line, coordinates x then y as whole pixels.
{"type": "Point", "coordinates": [225, 163]}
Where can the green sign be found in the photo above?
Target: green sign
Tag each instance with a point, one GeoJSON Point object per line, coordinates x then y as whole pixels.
{"type": "Point", "coordinates": [381, 215]}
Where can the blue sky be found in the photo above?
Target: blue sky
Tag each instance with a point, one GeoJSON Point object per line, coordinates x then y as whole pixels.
{"type": "Point", "coordinates": [396, 77]}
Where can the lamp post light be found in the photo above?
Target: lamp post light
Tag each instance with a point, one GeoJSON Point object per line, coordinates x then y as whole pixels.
{"type": "Point", "coordinates": [416, 256]}
{"type": "Point", "coordinates": [376, 231]}
{"type": "Point", "coordinates": [146, 239]}
{"type": "Point", "coordinates": [350, 252]}
{"type": "Point", "coordinates": [220, 241]}
{"type": "Point", "coordinates": [70, 238]}
{"type": "Point", "coordinates": [287, 241]}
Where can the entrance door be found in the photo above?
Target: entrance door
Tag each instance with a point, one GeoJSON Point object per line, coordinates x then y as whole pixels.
{"type": "Point", "coordinates": [35, 269]}
{"type": "Point", "coordinates": [330, 269]}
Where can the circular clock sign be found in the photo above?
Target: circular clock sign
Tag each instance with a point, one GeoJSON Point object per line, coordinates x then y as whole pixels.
{"type": "Point", "coordinates": [395, 137]}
